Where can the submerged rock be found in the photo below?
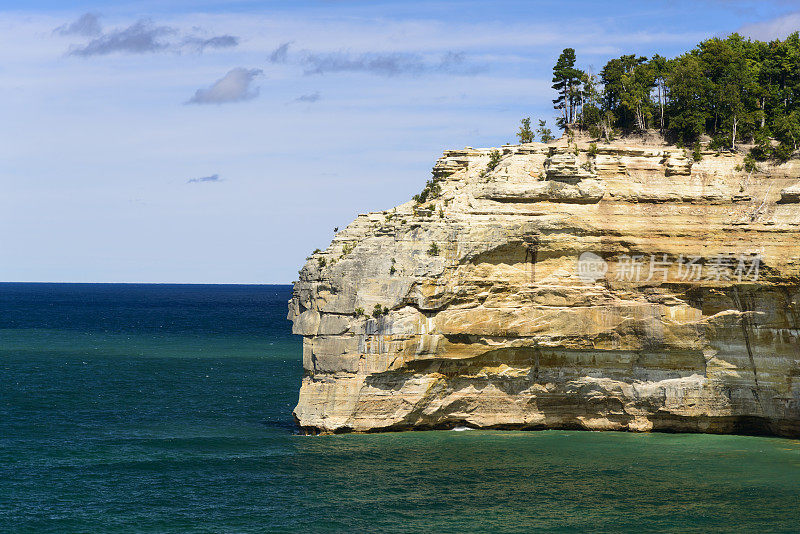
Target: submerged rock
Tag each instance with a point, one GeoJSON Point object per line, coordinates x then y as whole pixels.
{"type": "Point", "coordinates": [473, 309]}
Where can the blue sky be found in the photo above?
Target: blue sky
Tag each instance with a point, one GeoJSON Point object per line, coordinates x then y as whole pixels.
{"type": "Point", "coordinates": [186, 141]}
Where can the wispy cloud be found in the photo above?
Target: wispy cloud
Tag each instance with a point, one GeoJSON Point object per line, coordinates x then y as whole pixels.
{"type": "Point", "coordinates": [235, 86]}
{"type": "Point", "coordinates": [203, 179]}
{"type": "Point", "coordinates": [219, 41]}
{"type": "Point", "coordinates": [139, 38]}
{"type": "Point", "coordinates": [386, 64]}
{"type": "Point", "coordinates": [280, 54]}
{"type": "Point", "coordinates": [776, 28]}
{"type": "Point", "coordinates": [309, 98]}
{"type": "Point", "coordinates": [87, 25]}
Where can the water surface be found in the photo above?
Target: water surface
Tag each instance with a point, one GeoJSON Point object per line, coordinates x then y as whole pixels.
{"type": "Point", "coordinates": [153, 408]}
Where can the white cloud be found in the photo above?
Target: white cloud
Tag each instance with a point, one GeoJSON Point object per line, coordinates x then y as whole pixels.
{"type": "Point", "coordinates": [777, 28]}
{"type": "Point", "coordinates": [233, 87]}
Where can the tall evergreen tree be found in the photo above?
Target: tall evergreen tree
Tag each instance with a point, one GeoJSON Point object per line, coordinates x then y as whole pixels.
{"type": "Point", "coordinates": [660, 68]}
{"type": "Point", "coordinates": [566, 81]}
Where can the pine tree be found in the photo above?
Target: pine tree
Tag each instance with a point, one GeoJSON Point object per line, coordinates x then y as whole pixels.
{"type": "Point", "coordinates": [660, 67]}
{"type": "Point", "coordinates": [545, 134]}
{"type": "Point", "coordinates": [566, 81]}
{"type": "Point", "coordinates": [525, 133]}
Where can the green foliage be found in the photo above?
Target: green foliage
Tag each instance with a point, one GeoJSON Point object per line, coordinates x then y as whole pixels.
{"type": "Point", "coordinates": [393, 269]}
{"type": "Point", "coordinates": [348, 248]}
{"type": "Point", "coordinates": [787, 129]}
{"type": "Point", "coordinates": [359, 312]}
{"type": "Point", "coordinates": [494, 159]}
{"type": "Point", "coordinates": [750, 164]}
{"type": "Point", "coordinates": [592, 152]}
{"type": "Point", "coordinates": [433, 250]}
{"type": "Point", "coordinates": [762, 149]}
{"type": "Point", "coordinates": [321, 262]}
{"type": "Point", "coordinates": [432, 190]}
{"type": "Point", "coordinates": [525, 134]}
{"type": "Point", "coordinates": [697, 154]}
{"type": "Point", "coordinates": [591, 115]}
{"type": "Point", "coordinates": [732, 89]}
{"type": "Point", "coordinates": [377, 311]}
{"type": "Point", "coordinates": [783, 152]}
{"type": "Point", "coordinates": [545, 134]}
{"type": "Point", "coordinates": [567, 82]}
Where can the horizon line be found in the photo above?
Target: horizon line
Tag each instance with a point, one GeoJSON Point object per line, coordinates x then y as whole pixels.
{"type": "Point", "coordinates": [156, 283]}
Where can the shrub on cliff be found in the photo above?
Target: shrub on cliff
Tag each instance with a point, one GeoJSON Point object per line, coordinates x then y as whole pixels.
{"type": "Point", "coordinates": [545, 134]}
{"type": "Point", "coordinates": [525, 134]}
{"type": "Point", "coordinates": [379, 311]}
{"type": "Point", "coordinates": [431, 191]}
{"type": "Point", "coordinates": [494, 159]}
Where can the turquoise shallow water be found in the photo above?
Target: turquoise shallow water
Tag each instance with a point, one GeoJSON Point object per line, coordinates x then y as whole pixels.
{"type": "Point", "coordinates": [168, 408]}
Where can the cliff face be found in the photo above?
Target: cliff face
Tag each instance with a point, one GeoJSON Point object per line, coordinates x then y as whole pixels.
{"type": "Point", "coordinates": [627, 288]}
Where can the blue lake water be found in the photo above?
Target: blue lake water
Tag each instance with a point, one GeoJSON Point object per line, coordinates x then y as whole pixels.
{"type": "Point", "coordinates": [164, 408]}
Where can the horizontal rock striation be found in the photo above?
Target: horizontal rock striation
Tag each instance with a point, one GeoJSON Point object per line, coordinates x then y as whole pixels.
{"type": "Point", "coordinates": [604, 288]}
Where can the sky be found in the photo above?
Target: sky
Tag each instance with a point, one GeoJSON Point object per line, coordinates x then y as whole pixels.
{"type": "Point", "coordinates": [213, 141]}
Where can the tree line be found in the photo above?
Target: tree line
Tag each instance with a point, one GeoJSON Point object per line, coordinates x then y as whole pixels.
{"type": "Point", "coordinates": [734, 90]}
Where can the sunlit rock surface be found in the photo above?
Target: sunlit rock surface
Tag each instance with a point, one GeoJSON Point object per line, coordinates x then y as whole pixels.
{"type": "Point", "coordinates": [495, 327]}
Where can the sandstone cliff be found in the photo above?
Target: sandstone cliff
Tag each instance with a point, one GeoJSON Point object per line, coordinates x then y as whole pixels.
{"type": "Point", "coordinates": [483, 318]}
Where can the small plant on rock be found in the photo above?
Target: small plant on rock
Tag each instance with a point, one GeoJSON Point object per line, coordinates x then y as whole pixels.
{"type": "Point", "coordinates": [359, 312]}
{"type": "Point", "coordinates": [431, 191]}
{"type": "Point", "coordinates": [494, 159]}
{"type": "Point", "coordinates": [377, 311]}
{"type": "Point", "coordinates": [592, 152]}
{"type": "Point", "coordinates": [433, 250]}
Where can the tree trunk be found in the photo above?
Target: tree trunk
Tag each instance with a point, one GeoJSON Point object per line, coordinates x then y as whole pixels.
{"type": "Point", "coordinates": [733, 135]}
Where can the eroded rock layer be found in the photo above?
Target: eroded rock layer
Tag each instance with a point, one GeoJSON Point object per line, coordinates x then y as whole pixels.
{"type": "Point", "coordinates": [471, 308]}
